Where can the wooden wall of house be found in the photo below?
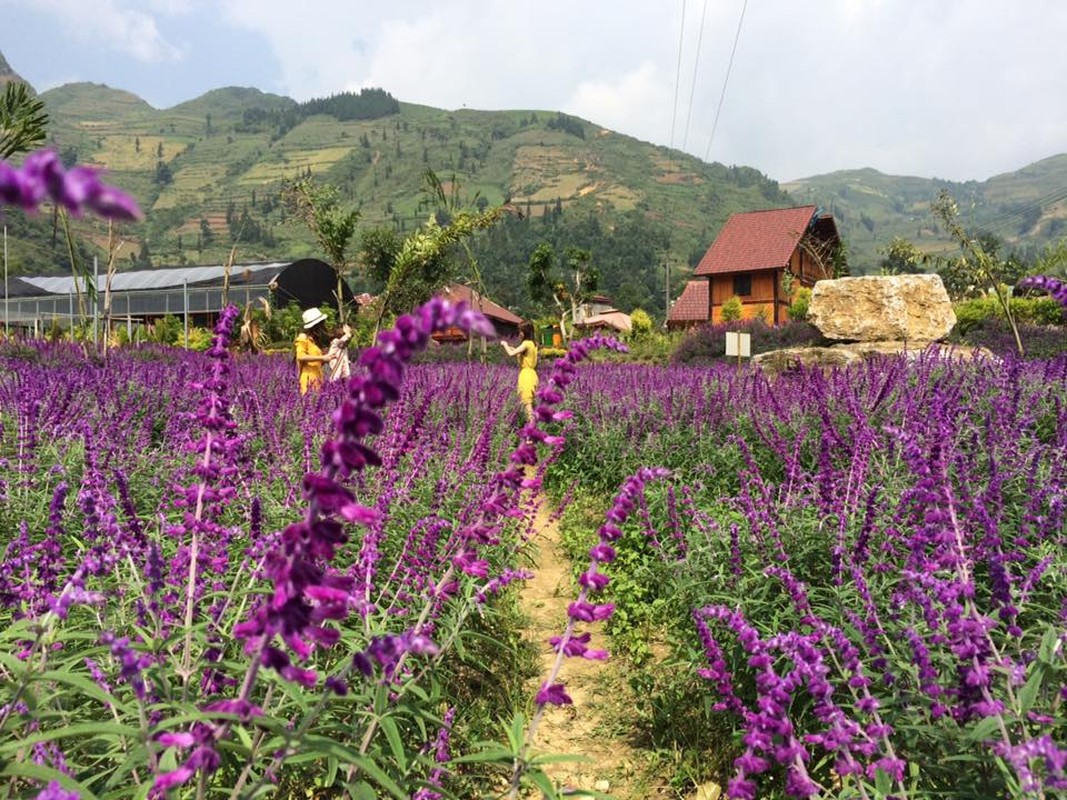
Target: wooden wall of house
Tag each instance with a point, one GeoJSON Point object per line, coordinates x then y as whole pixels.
{"type": "Point", "coordinates": [722, 288]}
{"type": "Point", "coordinates": [759, 302]}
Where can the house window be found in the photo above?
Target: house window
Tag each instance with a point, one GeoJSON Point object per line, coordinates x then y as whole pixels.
{"type": "Point", "coordinates": [742, 285]}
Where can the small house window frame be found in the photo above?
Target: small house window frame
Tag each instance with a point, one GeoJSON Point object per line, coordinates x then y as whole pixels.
{"type": "Point", "coordinates": [743, 285]}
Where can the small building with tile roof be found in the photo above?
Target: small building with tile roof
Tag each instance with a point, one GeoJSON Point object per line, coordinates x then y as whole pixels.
{"type": "Point", "coordinates": [751, 257]}
{"type": "Point", "coordinates": [505, 322]}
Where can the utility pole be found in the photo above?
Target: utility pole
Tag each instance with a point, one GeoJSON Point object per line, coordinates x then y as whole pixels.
{"type": "Point", "coordinates": [667, 288]}
{"type": "Point", "coordinates": [6, 306]}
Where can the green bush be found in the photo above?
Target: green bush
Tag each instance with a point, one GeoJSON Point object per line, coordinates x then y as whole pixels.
{"type": "Point", "coordinates": [732, 309]}
{"type": "Point", "coordinates": [199, 339]}
{"type": "Point", "coordinates": [641, 325]}
{"type": "Point", "coordinates": [798, 309]}
{"type": "Point", "coordinates": [974, 313]}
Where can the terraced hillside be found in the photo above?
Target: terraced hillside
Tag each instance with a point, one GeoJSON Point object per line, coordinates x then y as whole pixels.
{"type": "Point", "coordinates": [209, 173]}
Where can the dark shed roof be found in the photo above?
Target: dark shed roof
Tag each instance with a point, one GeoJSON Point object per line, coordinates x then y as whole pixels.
{"type": "Point", "coordinates": [309, 282]}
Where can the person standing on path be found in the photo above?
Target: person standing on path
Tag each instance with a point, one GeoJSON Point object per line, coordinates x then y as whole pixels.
{"type": "Point", "coordinates": [526, 353]}
{"type": "Point", "coordinates": [309, 355]}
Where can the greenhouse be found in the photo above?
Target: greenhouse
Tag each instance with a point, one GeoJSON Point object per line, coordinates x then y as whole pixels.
{"type": "Point", "coordinates": [34, 303]}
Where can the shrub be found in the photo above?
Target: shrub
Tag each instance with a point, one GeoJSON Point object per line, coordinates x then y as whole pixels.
{"type": "Point", "coordinates": [732, 309]}
{"type": "Point", "coordinates": [641, 325]}
{"type": "Point", "coordinates": [708, 342]}
{"type": "Point", "coordinates": [798, 309]}
{"type": "Point", "coordinates": [973, 313]}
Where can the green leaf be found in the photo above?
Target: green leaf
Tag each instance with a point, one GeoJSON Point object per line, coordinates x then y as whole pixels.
{"type": "Point", "coordinates": [82, 684]}
{"type": "Point", "coordinates": [1048, 645]}
{"type": "Point", "coordinates": [93, 729]}
{"type": "Point", "coordinates": [883, 782]}
{"type": "Point", "coordinates": [544, 783]}
{"type": "Point", "coordinates": [392, 733]}
{"type": "Point", "coordinates": [362, 791]}
{"type": "Point", "coordinates": [367, 766]}
{"type": "Point", "coordinates": [137, 757]}
{"type": "Point", "coordinates": [1028, 693]}
{"type": "Point", "coordinates": [47, 775]}
{"type": "Point", "coordinates": [983, 730]}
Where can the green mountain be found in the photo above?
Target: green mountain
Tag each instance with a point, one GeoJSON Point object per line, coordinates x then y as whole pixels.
{"type": "Point", "coordinates": [209, 175]}
{"type": "Point", "coordinates": [1025, 209]}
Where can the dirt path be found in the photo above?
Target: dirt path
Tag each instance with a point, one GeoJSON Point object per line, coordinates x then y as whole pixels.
{"type": "Point", "coordinates": [592, 726]}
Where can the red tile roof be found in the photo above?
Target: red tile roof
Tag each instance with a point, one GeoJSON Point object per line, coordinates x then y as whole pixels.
{"type": "Point", "coordinates": [457, 292]}
{"type": "Point", "coordinates": [692, 306]}
{"type": "Point", "coordinates": [756, 240]}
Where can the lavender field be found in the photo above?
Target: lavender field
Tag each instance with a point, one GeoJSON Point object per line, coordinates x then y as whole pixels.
{"type": "Point", "coordinates": [824, 585]}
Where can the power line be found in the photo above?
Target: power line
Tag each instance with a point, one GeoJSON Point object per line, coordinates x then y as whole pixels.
{"type": "Point", "coordinates": [677, 78]}
{"type": "Point", "coordinates": [726, 80]}
{"type": "Point", "coordinates": [696, 66]}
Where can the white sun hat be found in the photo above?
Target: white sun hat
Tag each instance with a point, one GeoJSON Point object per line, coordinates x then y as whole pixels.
{"type": "Point", "coordinates": [312, 317]}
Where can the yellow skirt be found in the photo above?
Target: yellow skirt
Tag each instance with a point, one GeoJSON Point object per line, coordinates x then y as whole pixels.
{"type": "Point", "coordinates": [527, 385]}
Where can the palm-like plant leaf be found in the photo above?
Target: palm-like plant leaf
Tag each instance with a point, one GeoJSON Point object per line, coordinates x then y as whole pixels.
{"type": "Point", "coordinates": [22, 120]}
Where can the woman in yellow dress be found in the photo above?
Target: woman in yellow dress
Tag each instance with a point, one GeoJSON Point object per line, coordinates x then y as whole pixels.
{"type": "Point", "coordinates": [309, 354]}
{"type": "Point", "coordinates": [527, 356]}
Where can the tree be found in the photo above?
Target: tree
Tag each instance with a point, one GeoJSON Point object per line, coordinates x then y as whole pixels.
{"type": "Point", "coordinates": [576, 287]}
{"type": "Point", "coordinates": [979, 263]}
{"type": "Point", "coordinates": [901, 257]}
{"type": "Point", "coordinates": [207, 236]}
{"type": "Point", "coordinates": [22, 120]}
{"type": "Point", "coordinates": [163, 174]}
{"type": "Point", "coordinates": [332, 225]}
{"type": "Point", "coordinates": [423, 262]}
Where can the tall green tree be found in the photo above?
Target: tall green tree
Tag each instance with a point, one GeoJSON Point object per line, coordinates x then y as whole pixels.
{"type": "Point", "coordinates": [568, 281]}
{"type": "Point", "coordinates": [23, 120]}
{"type": "Point", "coordinates": [331, 223]}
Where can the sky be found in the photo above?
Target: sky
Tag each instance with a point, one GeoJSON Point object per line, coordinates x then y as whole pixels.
{"type": "Point", "coordinates": [953, 89]}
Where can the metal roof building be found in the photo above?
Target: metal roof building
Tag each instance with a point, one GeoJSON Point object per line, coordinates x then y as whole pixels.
{"type": "Point", "coordinates": [196, 293]}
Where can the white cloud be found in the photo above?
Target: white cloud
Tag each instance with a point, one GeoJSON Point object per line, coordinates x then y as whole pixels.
{"type": "Point", "coordinates": [958, 88]}
{"type": "Point", "coordinates": [112, 25]}
{"type": "Point", "coordinates": [634, 103]}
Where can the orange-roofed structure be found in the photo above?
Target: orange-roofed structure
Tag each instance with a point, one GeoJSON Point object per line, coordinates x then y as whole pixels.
{"type": "Point", "coordinates": [505, 322]}
{"type": "Point", "coordinates": [749, 259]}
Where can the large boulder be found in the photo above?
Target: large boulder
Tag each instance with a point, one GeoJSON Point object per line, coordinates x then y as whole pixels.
{"type": "Point", "coordinates": [911, 308]}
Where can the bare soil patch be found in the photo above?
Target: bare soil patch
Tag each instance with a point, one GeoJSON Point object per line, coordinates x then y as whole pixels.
{"type": "Point", "coordinates": [596, 725]}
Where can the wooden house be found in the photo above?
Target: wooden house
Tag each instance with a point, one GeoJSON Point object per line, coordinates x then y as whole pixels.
{"type": "Point", "coordinates": [749, 259]}
{"type": "Point", "coordinates": [504, 321]}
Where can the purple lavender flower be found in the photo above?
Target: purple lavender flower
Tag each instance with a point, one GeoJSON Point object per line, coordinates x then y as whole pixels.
{"type": "Point", "coordinates": [1046, 283]}
{"type": "Point", "coordinates": [54, 790]}
{"type": "Point", "coordinates": [78, 189]}
{"type": "Point", "coordinates": [553, 694]}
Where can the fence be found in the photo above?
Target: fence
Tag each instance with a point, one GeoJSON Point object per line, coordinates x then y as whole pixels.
{"type": "Point", "coordinates": [195, 305]}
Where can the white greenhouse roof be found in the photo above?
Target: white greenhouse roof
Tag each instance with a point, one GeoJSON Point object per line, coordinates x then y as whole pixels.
{"type": "Point", "coordinates": [162, 278]}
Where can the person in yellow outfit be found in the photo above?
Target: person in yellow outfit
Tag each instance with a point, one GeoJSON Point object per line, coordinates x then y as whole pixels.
{"type": "Point", "coordinates": [527, 356]}
{"type": "Point", "coordinates": [309, 354]}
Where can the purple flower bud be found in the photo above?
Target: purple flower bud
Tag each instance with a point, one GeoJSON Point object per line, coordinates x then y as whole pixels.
{"type": "Point", "coordinates": [554, 695]}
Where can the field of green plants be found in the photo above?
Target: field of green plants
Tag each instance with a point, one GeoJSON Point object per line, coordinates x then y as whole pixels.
{"type": "Point", "coordinates": [849, 584]}
{"type": "Point", "coordinates": [845, 583]}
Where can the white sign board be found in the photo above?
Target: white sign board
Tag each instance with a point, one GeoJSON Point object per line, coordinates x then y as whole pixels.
{"type": "Point", "coordinates": [738, 344]}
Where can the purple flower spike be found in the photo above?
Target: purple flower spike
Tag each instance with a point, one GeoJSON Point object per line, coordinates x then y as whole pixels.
{"type": "Point", "coordinates": [55, 791]}
{"type": "Point", "coordinates": [1046, 283]}
{"type": "Point", "coordinates": [78, 189]}
{"type": "Point", "coordinates": [306, 593]}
